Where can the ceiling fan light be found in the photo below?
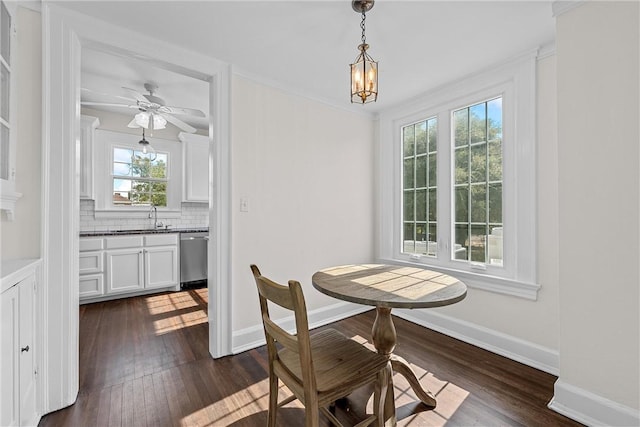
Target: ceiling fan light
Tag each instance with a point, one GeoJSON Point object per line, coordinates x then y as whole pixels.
{"type": "Point", "coordinates": [142, 119]}
{"type": "Point", "coordinates": [159, 122]}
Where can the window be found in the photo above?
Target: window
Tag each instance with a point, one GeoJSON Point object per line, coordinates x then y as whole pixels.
{"type": "Point", "coordinates": [457, 185]}
{"type": "Point", "coordinates": [137, 179]}
{"type": "Point", "coordinates": [420, 144]}
{"type": "Point", "coordinates": [477, 175]}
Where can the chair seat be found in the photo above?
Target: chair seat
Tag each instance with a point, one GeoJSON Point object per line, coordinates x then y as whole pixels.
{"type": "Point", "coordinates": [337, 360]}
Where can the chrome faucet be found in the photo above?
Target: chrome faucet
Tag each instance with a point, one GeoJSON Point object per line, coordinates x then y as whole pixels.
{"type": "Point", "coordinates": [154, 211]}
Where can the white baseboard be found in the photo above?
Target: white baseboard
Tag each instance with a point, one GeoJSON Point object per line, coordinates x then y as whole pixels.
{"type": "Point", "coordinates": [530, 354]}
{"type": "Point", "coordinates": [591, 409]}
{"type": "Point", "coordinates": [253, 336]}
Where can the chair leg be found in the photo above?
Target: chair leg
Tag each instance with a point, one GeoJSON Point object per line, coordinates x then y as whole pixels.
{"type": "Point", "coordinates": [381, 393]}
{"type": "Point", "coordinates": [273, 399]}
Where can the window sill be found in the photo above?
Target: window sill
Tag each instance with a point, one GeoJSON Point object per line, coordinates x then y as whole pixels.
{"type": "Point", "coordinates": [135, 213]}
{"type": "Point", "coordinates": [484, 282]}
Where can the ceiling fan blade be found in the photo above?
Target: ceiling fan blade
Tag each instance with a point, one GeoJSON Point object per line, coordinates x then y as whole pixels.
{"type": "Point", "coordinates": [106, 104]}
{"type": "Point", "coordinates": [93, 92]}
{"type": "Point", "coordinates": [185, 111]}
{"type": "Point", "coordinates": [178, 123]}
{"type": "Point", "coordinates": [137, 95]}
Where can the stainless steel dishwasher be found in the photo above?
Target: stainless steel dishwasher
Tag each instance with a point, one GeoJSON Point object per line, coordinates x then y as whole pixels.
{"type": "Point", "coordinates": [193, 259]}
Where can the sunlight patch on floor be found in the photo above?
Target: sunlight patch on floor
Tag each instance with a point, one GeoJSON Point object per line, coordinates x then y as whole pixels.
{"type": "Point", "coordinates": [171, 302]}
{"type": "Point", "coordinates": [242, 404]}
{"type": "Point", "coordinates": [179, 321]}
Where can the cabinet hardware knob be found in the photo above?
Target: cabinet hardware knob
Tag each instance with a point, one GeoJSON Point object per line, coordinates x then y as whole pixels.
{"type": "Point", "coordinates": [24, 349]}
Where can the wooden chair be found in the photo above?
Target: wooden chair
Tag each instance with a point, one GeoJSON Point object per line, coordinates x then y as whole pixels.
{"type": "Point", "coordinates": [318, 368]}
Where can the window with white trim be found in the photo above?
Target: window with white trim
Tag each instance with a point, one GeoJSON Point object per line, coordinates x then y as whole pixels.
{"type": "Point", "coordinates": [458, 189]}
{"type": "Point", "coordinates": [138, 178]}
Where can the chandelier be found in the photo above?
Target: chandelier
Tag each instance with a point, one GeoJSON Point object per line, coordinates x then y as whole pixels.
{"type": "Point", "coordinates": [364, 70]}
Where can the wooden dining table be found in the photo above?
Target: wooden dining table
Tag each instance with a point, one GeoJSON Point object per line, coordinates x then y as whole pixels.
{"type": "Point", "coordinates": [386, 287]}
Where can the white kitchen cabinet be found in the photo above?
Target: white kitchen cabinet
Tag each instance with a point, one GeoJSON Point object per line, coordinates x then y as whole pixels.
{"type": "Point", "coordinates": [88, 127]}
{"type": "Point", "coordinates": [195, 168]}
{"type": "Point", "coordinates": [18, 347]}
{"type": "Point", "coordinates": [125, 270]}
{"type": "Point", "coordinates": [161, 267]}
{"type": "Point", "coordinates": [133, 264]}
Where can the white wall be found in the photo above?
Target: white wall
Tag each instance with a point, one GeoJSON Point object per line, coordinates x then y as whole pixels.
{"type": "Point", "coordinates": [307, 172]}
{"type": "Point", "coordinates": [21, 237]}
{"type": "Point", "coordinates": [598, 158]}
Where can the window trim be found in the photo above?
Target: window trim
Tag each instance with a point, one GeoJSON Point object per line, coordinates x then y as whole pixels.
{"type": "Point", "coordinates": [514, 80]}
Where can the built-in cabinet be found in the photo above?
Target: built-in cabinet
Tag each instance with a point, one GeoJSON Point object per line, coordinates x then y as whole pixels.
{"type": "Point", "coordinates": [8, 109]}
{"type": "Point", "coordinates": [115, 265]}
{"type": "Point", "coordinates": [195, 168]}
{"type": "Point", "coordinates": [18, 348]}
{"type": "Point", "coordinates": [88, 127]}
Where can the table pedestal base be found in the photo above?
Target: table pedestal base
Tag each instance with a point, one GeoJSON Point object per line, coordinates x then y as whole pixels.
{"type": "Point", "coordinates": [384, 340]}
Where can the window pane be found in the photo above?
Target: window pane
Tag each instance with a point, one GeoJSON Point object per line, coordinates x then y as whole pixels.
{"type": "Point", "coordinates": [461, 241]}
{"type": "Point", "coordinates": [495, 161]}
{"type": "Point", "coordinates": [477, 243]}
{"type": "Point", "coordinates": [478, 203]}
{"type": "Point", "coordinates": [408, 205]}
{"type": "Point", "coordinates": [494, 246]}
{"type": "Point", "coordinates": [421, 171]}
{"type": "Point", "coordinates": [122, 155]}
{"type": "Point", "coordinates": [421, 205]}
{"type": "Point", "coordinates": [121, 198]}
{"type": "Point", "coordinates": [159, 187]}
{"type": "Point", "coordinates": [433, 170]}
{"type": "Point", "coordinates": [159, 199]}
{"type": "Point", "coordinates": [5, 34]}
{"type": "Point", "coordinates": [4, 152]}
{"type": "Point", "coordinates": [433, 232]}
{"type": "Point", "coordinates": [495, 203]}
{"type": "Point", "coordinates": [140, 166]}
{"type": "Point", "coordinates": [478, 163]}
{"type": "Point", "coordinates": [433, 135]}
{"type": "Point", "coordinates": [494, 119]}
{"type": "Point", "coordinates": [477, 123]}
{"type": "Point", "coordinates": [461, 127]}
{"type": "Point", "coordinates": [432, 204]}
{"type": "Point", "coordinates": [462, 165]}
{"type": "Point", "coordinates": [408, 137]}
{"type": "Point", "coordinates": [407, 237]}
{"type": "Point", "coordinates": [462, 204]}
{"type": "Point", "coordinates": [4, 92]}
{"type": "Point", "coordinates": [122, 169]}
{"type": "Point", "coordinates": [121, 185]}
{"type": "Point", "coordinates": [408, 173]}
{"type": "Point", "coordinates": [421, 137]}
{"type": "Point", "coordinates": [421, 236]}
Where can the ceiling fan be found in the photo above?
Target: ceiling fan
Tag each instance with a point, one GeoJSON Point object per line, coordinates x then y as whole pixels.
{"type": "Point", "coordinates": [154, 113]}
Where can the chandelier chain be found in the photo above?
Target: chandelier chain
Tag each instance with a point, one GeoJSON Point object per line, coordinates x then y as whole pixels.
{"type": "Point", "coordinates": [364, 38]}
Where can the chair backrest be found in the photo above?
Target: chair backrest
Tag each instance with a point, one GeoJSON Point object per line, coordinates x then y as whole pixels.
{"type": "Point", "coordinates": [291, 298]}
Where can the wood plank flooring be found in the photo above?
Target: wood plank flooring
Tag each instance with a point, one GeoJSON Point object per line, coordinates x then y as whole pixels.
{"type": "Point", "coordinates": [144, 361]}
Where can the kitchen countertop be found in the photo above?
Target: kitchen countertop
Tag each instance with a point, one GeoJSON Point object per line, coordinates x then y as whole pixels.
{"type": "Point", "coordinates": [142, 231]}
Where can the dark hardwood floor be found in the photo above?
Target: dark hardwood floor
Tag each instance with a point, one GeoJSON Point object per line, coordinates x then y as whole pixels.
{"type": "Point", "coordinates": [144, 361]}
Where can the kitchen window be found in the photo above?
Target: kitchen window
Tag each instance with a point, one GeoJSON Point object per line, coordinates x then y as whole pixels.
{"type": "Point", "coordinates": [458, 188]}
{"type": "Point", "coordinates": [139, 179]}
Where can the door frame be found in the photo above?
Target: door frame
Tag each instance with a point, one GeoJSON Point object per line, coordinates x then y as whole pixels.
{"type": "Point", "coordinates": [65, 34]}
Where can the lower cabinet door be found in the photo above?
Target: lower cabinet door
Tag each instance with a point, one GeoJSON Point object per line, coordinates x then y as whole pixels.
{"type": "Point", "coordinates": [161, 265]}
{"type": "Point", "coordinates": [91, 285]}
{"type": "Point", "coordinates": [125, 270]}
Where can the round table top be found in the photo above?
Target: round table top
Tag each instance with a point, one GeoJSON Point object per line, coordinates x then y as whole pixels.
{"type": "Point", "coordinates": [390, 286]}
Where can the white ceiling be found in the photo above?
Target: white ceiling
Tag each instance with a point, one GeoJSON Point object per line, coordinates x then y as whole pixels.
{"type": "Point", "coordinates": [306, 46]}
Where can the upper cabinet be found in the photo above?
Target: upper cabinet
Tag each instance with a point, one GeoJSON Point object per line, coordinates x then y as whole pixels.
{"type": "Point", "coordinates": [195, 170]}
{"type": "Point", "coordinates": [88, 127]}
{"type": "Point", "coordinates": [8, 109]}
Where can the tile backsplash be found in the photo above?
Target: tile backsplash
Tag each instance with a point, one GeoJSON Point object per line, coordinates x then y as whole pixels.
{"type": "Point", "coordinates": [194, 215]}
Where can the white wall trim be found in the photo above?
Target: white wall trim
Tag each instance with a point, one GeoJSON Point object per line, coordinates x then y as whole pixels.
{"type": "Point", "coordinates": [530, 354]}
{"type": "Point", "coordinates": [589, 408]}
{"type": "Point", "coordinates": [253, 336]}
